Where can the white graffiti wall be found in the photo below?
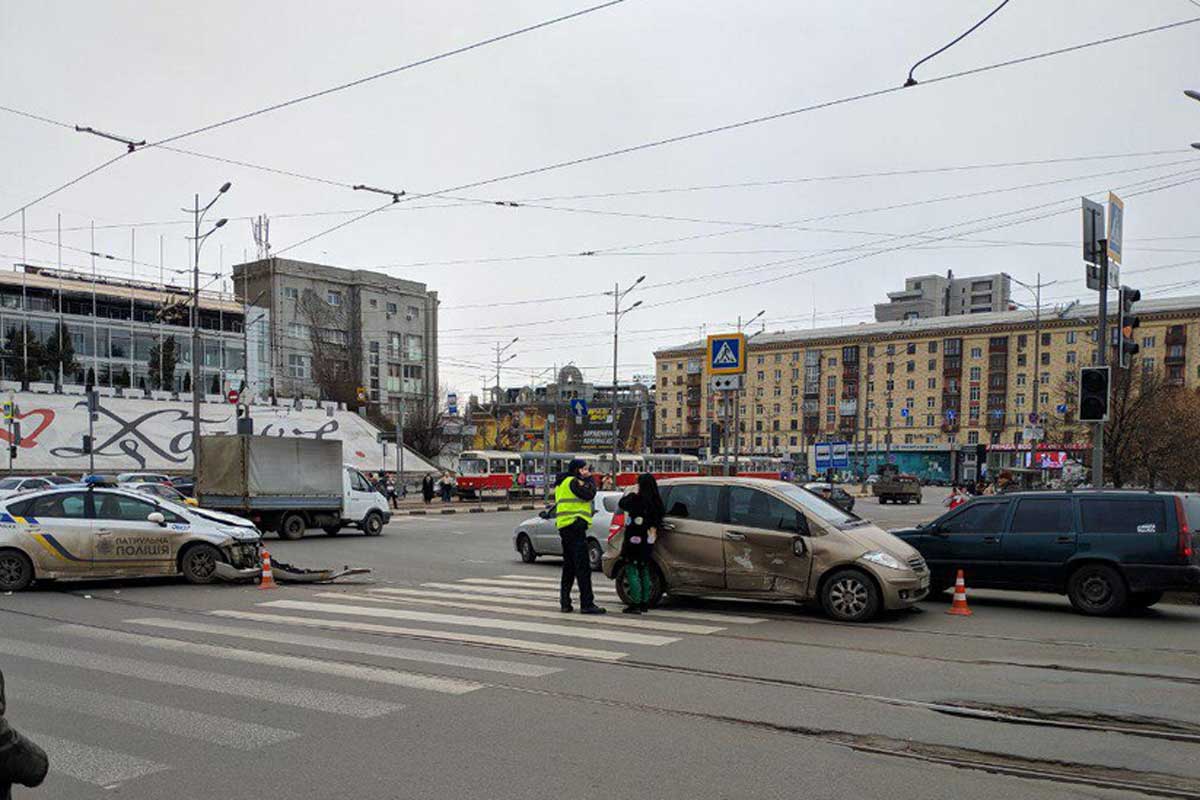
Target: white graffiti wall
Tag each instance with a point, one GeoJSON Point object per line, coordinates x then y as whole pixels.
{"type": "Point", "coordinates": [156, 435]}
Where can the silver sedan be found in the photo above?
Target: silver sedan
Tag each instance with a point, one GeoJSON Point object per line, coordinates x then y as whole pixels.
{"type": "Point", "coordinates": [538, 536]}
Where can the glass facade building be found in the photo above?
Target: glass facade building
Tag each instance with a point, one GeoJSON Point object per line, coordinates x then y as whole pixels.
{"type": "Point", "coordinates": [63, 328]}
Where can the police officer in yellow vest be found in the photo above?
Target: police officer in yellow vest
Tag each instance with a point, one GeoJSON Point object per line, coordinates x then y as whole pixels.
{"type": "Point", "coordinates": [573, 514]}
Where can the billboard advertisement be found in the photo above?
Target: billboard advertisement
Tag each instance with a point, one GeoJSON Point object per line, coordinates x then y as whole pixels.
{"type": "Point", "coordinates": [524, 429]}
{"type": "Point", "coordinates": [1046, 459]}
{"type": "Point", "coordinates": [930, 466]}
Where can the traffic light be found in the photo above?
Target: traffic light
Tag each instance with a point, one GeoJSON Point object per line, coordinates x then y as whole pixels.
{"type": "Point", "coordinates": [1127, 346]}
{"type": "Point", "coordinates": [1093, 394]}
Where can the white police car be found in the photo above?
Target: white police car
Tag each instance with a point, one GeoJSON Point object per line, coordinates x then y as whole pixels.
{"type": "Point", "coordinates": [98, 530]}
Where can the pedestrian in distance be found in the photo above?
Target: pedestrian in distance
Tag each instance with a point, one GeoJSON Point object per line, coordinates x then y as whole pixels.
{"type": "Point", "coordinates": [573, 516]}
{"type": "Point", "coordinates": [427, 488]}
{"type": "Point", "coordinates": [21, 761]}
{"type": "Point", "coordinates": [644, 514]}
{"type": "Point", "coordinates": [446, 487]}
{"type": "Point", "coordinates": [390, 491]}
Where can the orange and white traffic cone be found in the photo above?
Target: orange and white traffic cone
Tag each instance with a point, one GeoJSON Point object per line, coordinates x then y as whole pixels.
{"type": "Point", "coordinates": [959, 606]}
{"type": "Point", "coordinates": [268, 578]}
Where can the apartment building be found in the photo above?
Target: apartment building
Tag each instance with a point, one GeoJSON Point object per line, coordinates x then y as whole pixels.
{"type": "Point", "coordinates": [926, 296]}
{"type": "Point", "coordinates": [346, 327]}
{"type": "Point", "coordinates": [953, 387]}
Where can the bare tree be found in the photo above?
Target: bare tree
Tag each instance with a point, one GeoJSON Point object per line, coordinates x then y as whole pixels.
{"type": "Point", "coordinates": [333, 359]}
{"type": "Point", "coordinates": [1152, 431]}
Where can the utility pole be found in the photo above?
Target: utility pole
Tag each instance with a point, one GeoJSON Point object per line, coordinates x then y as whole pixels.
{"type": "Point", "coordinates": [617, 313]}
{"type": "Point", "coordinates": [400, 416]}
{"type": "Point", "coordinates": [496, 398]}
{"type": "Point", "coordinates": [550, 420]}
{"type": "Point", "coordinates": [198, 241]}
{"type": "Point", "coordinates": [1101, 360]}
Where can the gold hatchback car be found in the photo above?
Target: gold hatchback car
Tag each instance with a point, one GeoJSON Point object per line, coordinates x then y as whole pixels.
{"type": "Point", "coordinates": [766, 539]}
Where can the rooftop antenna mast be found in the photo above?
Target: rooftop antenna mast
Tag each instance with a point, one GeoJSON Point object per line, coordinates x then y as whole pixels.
{"type": "Point", "coordinates": [260, 226]}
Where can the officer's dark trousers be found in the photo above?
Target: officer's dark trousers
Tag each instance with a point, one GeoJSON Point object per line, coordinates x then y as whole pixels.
{"type": "Point", "coordinates": [575, 567]}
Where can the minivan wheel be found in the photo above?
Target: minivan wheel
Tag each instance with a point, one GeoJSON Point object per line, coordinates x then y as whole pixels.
{"type": "Point", "coordinates": [1098, 590]}
{"type": "Point", "coordinates": [595, 554]}
{"type": "Point", "coordinates": [850, 596]}
{"type": "Point", "coordinates": [657, 585]}
{"type": "Point", "coordinates": [16, 571]}
{"type": "Point", "coordinates": [525, 548]}
{"type": "Point", "coordinates": [1144, 599]}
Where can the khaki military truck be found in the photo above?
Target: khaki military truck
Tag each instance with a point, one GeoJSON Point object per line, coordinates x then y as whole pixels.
{"type": "Point", "coordinates": [894, 486]}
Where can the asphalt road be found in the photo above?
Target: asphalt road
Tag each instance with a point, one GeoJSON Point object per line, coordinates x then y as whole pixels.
{"type": "Point", "coordinates": [477, 687]}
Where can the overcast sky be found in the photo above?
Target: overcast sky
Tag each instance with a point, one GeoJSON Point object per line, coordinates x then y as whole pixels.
{"type": "Point", "coordinates": [635, 72]}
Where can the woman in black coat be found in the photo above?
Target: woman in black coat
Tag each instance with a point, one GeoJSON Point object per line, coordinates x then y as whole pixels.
{"type": "Point", "coordinates": [644, 513]}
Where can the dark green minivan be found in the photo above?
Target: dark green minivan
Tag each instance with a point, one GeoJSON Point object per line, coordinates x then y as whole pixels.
{"type": "Point", "coordinates": [1107, 550]}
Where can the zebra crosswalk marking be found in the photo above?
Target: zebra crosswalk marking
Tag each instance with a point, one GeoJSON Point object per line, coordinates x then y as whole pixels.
{"type": "Point", "coordinates": [192, 679]}
{"type": "Point", "coordinates": [453, 620]}
{"type": "Point", "coordinates": [90, 764]}
{"type": "Point", "coordinates": [598, 590]}
{"type": "Point", "coordinates": [483, 604]}
{"type": "Point", "coordinates": [220, 731]}
{"type": "Point", "coordinates": [507, 591]}
{"type": "Point", "coordinates": [392, 677]}
{"type": "Point", "coordinates": [457, 637]}
{"type": "Point", "coordinates": [466, 593]}
{"type": "Point", "coordinates": [552, 595]}
{"type": "Point", "coordinates": [352, 646]}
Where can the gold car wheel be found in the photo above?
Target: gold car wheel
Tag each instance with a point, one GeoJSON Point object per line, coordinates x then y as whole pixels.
{"type": "Point", "coordinates": [851, 597]}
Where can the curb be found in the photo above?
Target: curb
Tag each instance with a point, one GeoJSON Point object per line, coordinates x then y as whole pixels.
{"type": "Point", "coordinates": [421, 512]}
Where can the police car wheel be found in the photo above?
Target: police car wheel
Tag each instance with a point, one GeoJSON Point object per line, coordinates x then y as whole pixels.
{"type": "Point", "coordinates": [16, 571]}
{"type": "Point", "coordinates": [199, 563]}
{"type": "Point", "coordinates": [595, 555]}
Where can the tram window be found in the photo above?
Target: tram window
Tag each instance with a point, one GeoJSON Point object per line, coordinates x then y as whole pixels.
{"type": "Point", "coordinates": [496, 466]}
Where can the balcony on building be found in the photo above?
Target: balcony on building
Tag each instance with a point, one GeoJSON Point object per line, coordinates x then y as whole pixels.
{"type": "Point", "coordinates": [1176, 345]}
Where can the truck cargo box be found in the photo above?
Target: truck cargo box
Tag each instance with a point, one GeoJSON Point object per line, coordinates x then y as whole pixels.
{"type": "Point", "coordinates": [263, 472]}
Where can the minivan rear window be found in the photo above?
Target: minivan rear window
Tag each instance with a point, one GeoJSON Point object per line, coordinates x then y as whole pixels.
{"type": "Point", "coordinates": [1123, 515]}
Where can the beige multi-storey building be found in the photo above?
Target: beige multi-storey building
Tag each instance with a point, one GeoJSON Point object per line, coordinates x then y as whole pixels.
{"type": "Point", "coordinates": [952, 389]}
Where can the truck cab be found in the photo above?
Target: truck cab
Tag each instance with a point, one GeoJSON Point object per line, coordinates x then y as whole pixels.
{"type": "Point", "coordinates": [362, 505]}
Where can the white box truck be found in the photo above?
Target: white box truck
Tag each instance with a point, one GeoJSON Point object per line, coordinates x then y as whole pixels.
{"type": "Point", "coordinates": [287, 485]}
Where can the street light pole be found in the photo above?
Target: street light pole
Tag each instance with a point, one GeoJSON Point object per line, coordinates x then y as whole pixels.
{"type": "Point", "coordinates": [198, 240]}
{"type": "Point", "coordinates": [617, 313]}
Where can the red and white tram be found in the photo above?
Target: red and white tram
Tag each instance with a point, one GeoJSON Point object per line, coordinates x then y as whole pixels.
{"type": "Point", "coordinates": [509, 473]}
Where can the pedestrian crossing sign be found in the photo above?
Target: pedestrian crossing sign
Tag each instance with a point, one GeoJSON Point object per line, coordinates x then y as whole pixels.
{"type": "Point", "coordinates": [727, 353]}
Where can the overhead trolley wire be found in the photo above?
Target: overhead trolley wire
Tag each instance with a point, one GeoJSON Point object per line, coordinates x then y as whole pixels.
{"type": "Point", "coordinates": [303, 98]}
{"type": "Point", "coordinates": [753, 121]}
